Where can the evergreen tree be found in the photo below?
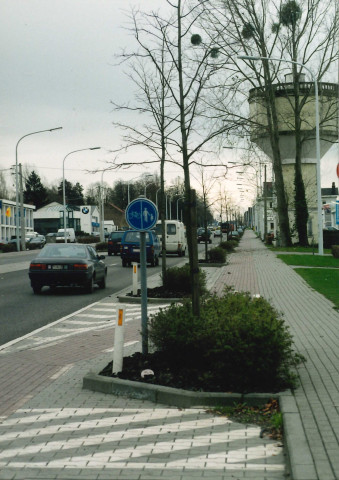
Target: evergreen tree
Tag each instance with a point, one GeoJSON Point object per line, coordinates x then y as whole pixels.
{"type": "Point", "coordinates": [35, 193]}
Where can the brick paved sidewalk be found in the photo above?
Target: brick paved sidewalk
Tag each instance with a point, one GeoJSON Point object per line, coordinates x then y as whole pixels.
{"type": "Point", "coordinates": [314, 325]}
{"type": "Point", "coordinates": [52, 429]}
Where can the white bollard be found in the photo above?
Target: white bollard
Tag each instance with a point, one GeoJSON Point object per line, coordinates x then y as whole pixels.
{"type": "Point", "coordinates": [135, 278]}
{"type": "Point", "coordinates": [118, 352]}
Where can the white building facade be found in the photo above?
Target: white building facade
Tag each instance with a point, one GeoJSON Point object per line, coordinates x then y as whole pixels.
{"type": "Point", "coordinates": [8, 215]}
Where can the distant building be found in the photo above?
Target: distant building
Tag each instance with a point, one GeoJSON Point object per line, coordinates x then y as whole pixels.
{"type": "Point", "coordinates": [50, 218]}
{"type": "Point", "coordinates": [8, 218]}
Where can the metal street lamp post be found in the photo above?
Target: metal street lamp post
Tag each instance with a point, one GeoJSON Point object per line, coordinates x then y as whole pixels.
{"type": "Point", "coordinates": [22, 227]}
{"type": "Point", "coordinates": [146, 185]}
{"type": "Point", "coordinates": [317, 139]}
{"type": "Point", "coordinates": [64, 186]}
{"type": "Point", "coordinates": [102, 209]}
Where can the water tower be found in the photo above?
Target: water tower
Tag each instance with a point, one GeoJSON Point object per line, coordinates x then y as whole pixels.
{"type": "Point", "coordinates": [284, 102]}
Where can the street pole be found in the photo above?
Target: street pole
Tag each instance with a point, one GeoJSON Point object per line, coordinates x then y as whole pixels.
{"type": "Point", "coordinates": [64, 186]}
{"type": "Point", "coordinates": [102, 209]}
{"type": "Point", "coordinates": [17, 190]}
{"type": "Point", "coordinates": [265, 205]}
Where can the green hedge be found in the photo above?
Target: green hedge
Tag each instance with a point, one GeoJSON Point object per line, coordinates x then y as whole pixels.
{"type": "Point", "coordinates": [238, 344]}
{"type": "Point", "coordinates": [217, 255]}
{"type": "Point", "coordinates": [101, 247]}
{"type": "Point", "coordinates": [177, 279]}
{"type": "Point", "coordinates": [228, 246]}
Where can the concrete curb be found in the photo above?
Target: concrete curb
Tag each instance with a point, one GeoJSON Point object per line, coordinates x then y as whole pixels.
{"type": "Point", "coordinates": [167, 395]}
{"type": "Point", "coordinates": [299, 454]}
{"type": "Point", "coordinates": [130, 299]}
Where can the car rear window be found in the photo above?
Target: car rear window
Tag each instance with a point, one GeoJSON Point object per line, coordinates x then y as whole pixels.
{"type": "Point", "coordinates": [134, 237]}
{"type": "Point", "coordinates": [171, 229]}
{"type": "Point", "coordinates": [52, 250]}
{"type": "Point", "coordinates": [116, 236]}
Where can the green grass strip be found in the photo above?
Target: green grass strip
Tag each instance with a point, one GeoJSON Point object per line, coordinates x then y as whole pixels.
{"type": "Point", "coordinates": [325, 282]}
{"type": "Point", "coordinates": [297, 249]}
{"type": "Point", "coordinates": [310, 260]}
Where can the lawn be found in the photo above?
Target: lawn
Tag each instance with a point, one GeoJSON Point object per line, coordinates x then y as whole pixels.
{"type": "Point", "coordinates": [298, 249]}
{"type": "Point", "coordinates": [324, 281]}
{"type": "Point", "coordinates": [310, 260]}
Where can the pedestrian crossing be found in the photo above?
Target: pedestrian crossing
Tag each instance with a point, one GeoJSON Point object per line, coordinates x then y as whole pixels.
{"type": "Point", "coordinates": [98, 316]}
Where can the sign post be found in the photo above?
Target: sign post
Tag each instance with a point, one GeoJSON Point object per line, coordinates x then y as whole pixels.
{"type": "Point", "coordinates": [142, 215]}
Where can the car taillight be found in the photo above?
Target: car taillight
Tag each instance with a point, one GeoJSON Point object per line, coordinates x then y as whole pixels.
{"type": "Point", "coordinates": [38, 266]}
{"type": "Point", "coordinates": [152, 249]}
{"type": "Point", "coordinates": [80, 266]}
{"type": "Point", "coordinates": [110, 242]}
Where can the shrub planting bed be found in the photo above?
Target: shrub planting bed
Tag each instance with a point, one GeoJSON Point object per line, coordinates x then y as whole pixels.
{"type": "Point", "coordinates": [239, 344]}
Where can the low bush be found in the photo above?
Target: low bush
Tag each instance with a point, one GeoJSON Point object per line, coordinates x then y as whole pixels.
{"type": "Point", "coordinates": [217, 255]}
{"type": "Point", "coordinates": [101, 247]}
{"type": "Point", "coordinates": [177, 279]}
{"type": "Point", "coordinates": [335, 251]}
{"type": "Point", "coordinates": [11, 247]}
{"type": "Point", "coordinates": [238, 344]}
{"type": "Point", "coordinates": [88, 239]}
{"type": "Point", "coordinates": [228, 246]}
{"type": "Point", "coordinates": [234, 242]}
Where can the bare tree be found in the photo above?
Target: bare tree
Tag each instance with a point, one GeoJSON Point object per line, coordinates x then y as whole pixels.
{"type": "Point", "coordinates": [292, 31]}
{"type": "Point", "coordinates": [4, 191]}
{"type": "Point", "coordinates": [186, 76]}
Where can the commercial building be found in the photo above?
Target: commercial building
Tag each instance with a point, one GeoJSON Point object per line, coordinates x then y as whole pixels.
{"type": "Point", "coordinates": [8, 215]}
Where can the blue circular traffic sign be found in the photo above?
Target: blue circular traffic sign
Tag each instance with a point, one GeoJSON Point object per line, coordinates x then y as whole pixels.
{"type": "Point", "coordinates": [141, 214]}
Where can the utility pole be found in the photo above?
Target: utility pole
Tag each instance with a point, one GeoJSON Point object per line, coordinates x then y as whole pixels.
{"type": "Point", "coordinates": [22, 215]}
{"type": "Point", "coordinates": [265, 204]}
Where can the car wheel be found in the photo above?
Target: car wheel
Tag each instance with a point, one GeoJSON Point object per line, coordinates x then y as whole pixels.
{"type": "Point", "coordinates": [157, 261]}
{"type": "Point", "coordinates": [36, 288]}
{"type": "Point", "coordinates": [124, 263]}
{"type": "Point", "coordinates": [209, 241]}
{"type": "Point", "coordinates": [109, 254]}
{"type": "Point", "coordinates": [152, 262]}
{"type": "Point", "coordinates": [102, 283]}
{"type": "Point", "coordinates": [90, 286]}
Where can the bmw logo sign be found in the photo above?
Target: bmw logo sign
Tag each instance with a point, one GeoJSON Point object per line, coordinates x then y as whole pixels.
{"type": "Point", "coordinates": [85, 210]}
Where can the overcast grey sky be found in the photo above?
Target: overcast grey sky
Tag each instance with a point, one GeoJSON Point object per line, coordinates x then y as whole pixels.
{"type": "Point", "coordinates": [57, 69]}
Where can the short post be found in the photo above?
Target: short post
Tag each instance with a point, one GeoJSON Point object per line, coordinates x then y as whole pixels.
{"type": "Point", "coordinates": [135, 278]}
{"type": "Point", "coordinates": [118, 353]}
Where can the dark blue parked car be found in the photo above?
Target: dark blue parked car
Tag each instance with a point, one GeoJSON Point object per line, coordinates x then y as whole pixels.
{"type": "Point", "coordinates": [130, 248]}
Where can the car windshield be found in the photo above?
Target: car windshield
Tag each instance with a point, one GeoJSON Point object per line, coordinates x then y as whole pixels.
{"type": "Point", "coordinates": [58, 251]}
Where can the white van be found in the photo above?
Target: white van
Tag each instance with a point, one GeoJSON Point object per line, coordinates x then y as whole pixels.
{"type": "Point", "coordinates": [175, 236]}
{"type": "Point", "coordinates": [70, 235]}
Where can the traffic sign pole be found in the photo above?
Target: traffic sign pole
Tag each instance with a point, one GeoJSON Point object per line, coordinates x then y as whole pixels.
{"type": "Point", "coordinates": [143, 282]}
{"type": "Point", "coordinates": [142, 215]}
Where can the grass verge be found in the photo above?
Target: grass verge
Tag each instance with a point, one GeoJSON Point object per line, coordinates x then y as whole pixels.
{"type": "Point", "coordinates": [324, 281]}
{"type": "Point", "coordinates": [297, 249]}
{"type": "Point", "coordinates": [310, 260]}
{"type": "Point", "coordinates": [268, 417]}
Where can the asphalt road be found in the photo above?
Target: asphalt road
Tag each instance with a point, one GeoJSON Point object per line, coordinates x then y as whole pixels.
{"type": "Point", "coordinates": [21, 311]}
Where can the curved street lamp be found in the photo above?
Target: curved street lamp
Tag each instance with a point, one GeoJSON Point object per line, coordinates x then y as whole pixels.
{"type": "Point", "coordinates": [317, 138]}
{"type": "Point", "coordinates": [22, 220]}
{"type": "Point", "coordinates": [63, 183]}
